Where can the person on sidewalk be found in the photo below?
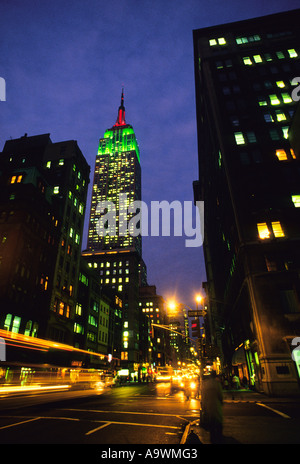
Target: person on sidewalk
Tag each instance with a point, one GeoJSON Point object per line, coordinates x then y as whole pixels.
{"type": "Point", "coordinates": [212, 408]}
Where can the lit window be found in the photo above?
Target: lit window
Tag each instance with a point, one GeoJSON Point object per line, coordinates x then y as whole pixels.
{"type": "Point", "coordinates": [56, 190]}
{"type": "Point", "coordinates": [285, 131]}
{"type": "Point", "coordinates": [274, 100]}
{"type": "Point", "coordinates": [257, 59]}
{"type": "Point", "coordinates": [221, 41]}
{"type": "Point", "coordinates": [239, 138]}
{"type": "Point", "coordinates": [7, 321]}
{"type": "Point", "coordinates": [292, 53]}
{"type": "Point", "coordinates": [212, 42]}
{"type": "Point", "coordinates": [277, 229]}
{"type": "Point", "coordinates": [16, 324]}
{"type": "Point", "coordinates": [263, 230]}
{"type": "Point", "coordinates": [296, 200]}
{"type": "Point", "coordinates": [280, 115]}
{"type": "Point", "coordinates": [61, 162]}
{"type": "Point", "coordinates": [262, 101]}
{"type": "Point", "coordinates": [16, 179]}
{"type": "Point", "coordinates": [48, 164]}
{"type": "Point", "coordinates": [247, 60]}
{"type": "Point", "coordinates": [281, 154]}
{"type": "Point", "coordinates": [286, 98]}
{"type": "Point", "coordinates": [280, 84]}
{"type": "Point", "coordinates": [78, 309]}
{"type": "Point", "coordinates": [280, 55]}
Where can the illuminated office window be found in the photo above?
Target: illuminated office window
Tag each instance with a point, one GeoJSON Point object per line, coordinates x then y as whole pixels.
{"type": "Point", "coordinates": [213, 42]}
{"type": "Point", "coordinates": [280, 84]}
{"type": "Point", "coordinates": [296, 200]}
{"type": "Point", "coordinates": [292, 53]}
{"type": "Point", "coordinates": [285, 131]}
{"type": "Point", "coordinates": [239, 138]}
{"type": "Point", "coordinates": [257, 59]}
{"type": "Point", "coordinates": [247, 60]}
{"type": "Point", "coordinates": [16, 179]}
{"type": "Point", "coordinates": [262, 101]}
{"type": "Point", "coordinates": [274, 100]}
{"type": "Point", "coordinates": [263, 231]}
{"type": "Point", "coordinates": [280, 116]}
{"type": "Point", "coordinates": [16, 324]}
{"type": "Point", "coordinates": [277, 229]}
{"type": "Point", "coordinates": [280, 55]}
{"type": "Point", "coordinates": [281, 154]}
{"type": "Point", "coordinates": [221, 41]}
{"type": "Point", "coordinates": [286, 98]}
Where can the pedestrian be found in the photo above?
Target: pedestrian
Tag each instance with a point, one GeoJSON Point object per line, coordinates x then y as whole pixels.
{"type": "Point", "coordinates": [212, 408]}
{"type": "Point", "coordinates": [235, 382]}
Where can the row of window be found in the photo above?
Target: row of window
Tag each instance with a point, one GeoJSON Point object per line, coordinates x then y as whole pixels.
{"type": "Point", "coordinates": [281, 133]}
{"type": "Point", "coordinates": [12, 323]}
{"type": "Point", "coordinates": [253, 60]}
{"type": "Point", "coordinates": [109, 264]}
{"type": "Point", "coordinates": [114, 271]}
{"type": "Point", "coordinates": [266, 57]}
{"type": "Point", "coordinates": [266, 230]}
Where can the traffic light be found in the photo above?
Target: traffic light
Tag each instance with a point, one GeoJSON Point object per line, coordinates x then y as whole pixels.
{"type": "Point", "coordinates": [195, 326]}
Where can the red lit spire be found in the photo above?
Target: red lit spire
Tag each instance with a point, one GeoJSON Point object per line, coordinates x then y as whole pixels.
{"type": "Point", "coordinates": [121, 113]}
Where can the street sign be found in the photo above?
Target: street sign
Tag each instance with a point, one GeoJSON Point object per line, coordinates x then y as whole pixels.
{"type": "Point", "coordinates": [196, 313]}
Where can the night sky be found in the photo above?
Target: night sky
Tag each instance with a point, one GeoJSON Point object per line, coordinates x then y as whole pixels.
{"type": "Point", "coordinates": [65, 62]}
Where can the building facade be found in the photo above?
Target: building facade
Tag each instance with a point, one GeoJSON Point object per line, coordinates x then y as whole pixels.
{"type": "Point", "coordinates": [114, 246]}
{"type": "Point", "coordinates": [249, 177]}
{"type": "Point", "coordinates": [43, 196]}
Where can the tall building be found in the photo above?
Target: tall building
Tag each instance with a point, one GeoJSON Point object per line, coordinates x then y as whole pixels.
{"type": "Point", "coordinates": [152, 315]}
{"type": "Point", "coordinates": [117, 178]}
{"type": "Point", "coordinates": [249, 179]}
{"type": "Point", "coordinates": [113, 249]}
{"type": "Point", "coordinates": [42, 204]}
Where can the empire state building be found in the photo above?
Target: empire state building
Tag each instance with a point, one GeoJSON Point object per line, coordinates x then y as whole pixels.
{"type": "Point", "coordinates": [115, 254]}
{"type": "Point", "coordinates": [117, 176]}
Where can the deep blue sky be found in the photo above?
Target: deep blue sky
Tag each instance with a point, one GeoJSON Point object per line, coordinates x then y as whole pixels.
{"type": "Point", "coordinates": [65, 63]}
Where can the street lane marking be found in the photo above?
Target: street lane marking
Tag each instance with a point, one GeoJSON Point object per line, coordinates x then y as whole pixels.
{"type": "Point", "coordinates": [274, 410]}
{"type": "Point", "coordinates": [132, 423]}
{"type": "Point", "coordinates": [122, 412]}
{"type": "Point", "coordinates": [98, 428]}
{"type": "Point", "coordinates": [19, 423]}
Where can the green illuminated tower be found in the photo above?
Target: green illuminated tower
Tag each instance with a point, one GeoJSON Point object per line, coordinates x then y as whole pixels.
{"type": "Point", "coordinates": [117, 172]}
{"type": "Point", "coordinates": [116, 254]}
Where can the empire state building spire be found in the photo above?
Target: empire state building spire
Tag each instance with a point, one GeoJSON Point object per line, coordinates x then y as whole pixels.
{"type": "Point", "coordinates": [121, 112]}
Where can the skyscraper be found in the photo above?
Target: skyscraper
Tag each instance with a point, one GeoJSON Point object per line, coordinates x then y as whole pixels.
{"type": "Point", "coordinates": [117, 182]}
{"type": "Point", "coordinates": [249, 177]}
{"type": "Point", "coordinates": [112, 249]}
{"type": "Point", "coordinates": [42, 204]}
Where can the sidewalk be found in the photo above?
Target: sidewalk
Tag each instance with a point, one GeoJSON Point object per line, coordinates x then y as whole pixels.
{"type": "Point", "coordinates": [194, 434]}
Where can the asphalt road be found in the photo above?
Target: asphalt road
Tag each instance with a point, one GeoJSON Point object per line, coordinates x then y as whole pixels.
{"type": "Point", "coordinates": [137, 415]}
{"type": "Point", "coordinates": [134, 414]}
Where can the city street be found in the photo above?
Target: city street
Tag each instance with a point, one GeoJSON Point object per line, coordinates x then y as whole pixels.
{"type": "Point", "coordinates": [142, 414]}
